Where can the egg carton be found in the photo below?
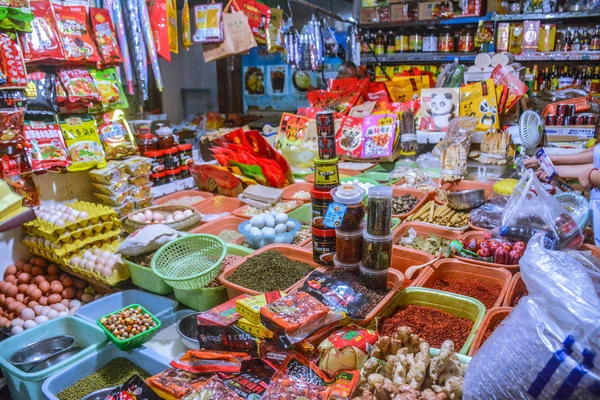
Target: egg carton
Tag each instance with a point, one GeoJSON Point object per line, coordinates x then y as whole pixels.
{"type": "Point", "coordinates": [78, 234]}
{"type": "Point", "coordinates": [96, 213]}
{"type": "Point", "coordinates": [76, 245]}
{"type": "Point", "coordinates": [112, 280]}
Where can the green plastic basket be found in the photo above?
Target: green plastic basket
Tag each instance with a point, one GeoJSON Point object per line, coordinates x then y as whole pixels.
{"type": "Point", "coordinates": [302, 214]}
{"type": "Point", "coordinates": [190, 262]}
{"type": "Point", "coordinates": [206, 298]}
{"type": "Point", "coordinates": [380, 177]}
{"type": "Point", "coordinates": [145, 278]}
{"type": "Point", "coordinates": [135, 341]}
{"type": "Point", "coordinates": [455, 304]}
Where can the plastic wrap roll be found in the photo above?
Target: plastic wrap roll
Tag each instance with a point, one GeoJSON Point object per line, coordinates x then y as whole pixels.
{"type": "Point", "coordinates": [137, 46]}
{"type": "Point", "coordinates": [116, 13]}
{"type": "Point", "coordinates": [147, 29]}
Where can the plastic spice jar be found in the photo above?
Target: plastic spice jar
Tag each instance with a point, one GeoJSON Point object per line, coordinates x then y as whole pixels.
{"type": "Point", "coordinates": [158, 178]}
{"type": "Point", "coordinates": [373, 279]}
{"type": "Point", "coordinates": [320, 201]}
{"type": "Point", "coordinates": [166, 140]}
{"type": "Point", "coordinates": [326, 174]}
{"type": "Point", "coordinates": [348, 246]}
{"type": "Point", "coordinates": [323, 241]}
{"type": "Point", "coordinates": [379, 214]}
{"type": "Point", "coordinates": [377, 251]}
{"type": "Point", "coordinates": [348, 267]}
{"type": "Point", "coordinates": [171, 158]}
{"type": "Point", "coordinates": [172, 175]}
{"type": "Point", "coordinates": [430, 42]}
{"type": "Point", "coordinates": [350, 209]}
{"type": "Point", "coordinates": [185, 171]}
{"type": "Point", "coordinates": [158, 160]}
{"type": "Point", "coordinates": [466, 41]}
{"type": "Point", "coordinates": [185, 154]}
{"type": "Point", "coordinates": [146, 143]}
{"type": "Point", "coordinates": [446, 41]}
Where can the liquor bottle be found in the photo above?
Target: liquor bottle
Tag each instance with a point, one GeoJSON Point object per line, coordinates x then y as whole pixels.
{"type": "Point", "coordinates": [588, 79]}
{"type": "Point", "coordinates": [576, 46]}
{"type": "Point", "coordinates": [585, 41]}
{"type": "Point", "coordinates": [554, 79]}
{"type": "Point", "coordinates": [390, 46]}
{"type": "Point", "coordinates": [536, 83]}
{"type": "Point", "coordinates": [568, 42]}
{"type": "Point", "coordinates": [379, 43]}
{"type": "Point", "coordinates": [544, 80]}
{"type": "Point", "coordinates": [596, 80]}
{"type": "Point", "coordinates": [595, 40]}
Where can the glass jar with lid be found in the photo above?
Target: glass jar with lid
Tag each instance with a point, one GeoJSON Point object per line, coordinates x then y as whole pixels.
{"type": "Point", "coordinates": [401, 42]}
{"type": "Point", "coordinates": [171, 159]}
{"type": "Point", "coordinates": [466, 41]}
{"type": "Point", "coordinates": [415, 42]}
{"type": "Point", "coordinates": [430, 41]}
{"type": "Point", "coordinates": [146, 142]}
{"type": "Point", "coordinates": [446, 41]}
{"type": "Point", "coordinates": [166, 139]}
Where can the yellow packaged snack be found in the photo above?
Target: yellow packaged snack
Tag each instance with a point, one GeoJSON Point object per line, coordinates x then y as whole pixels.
{"type": "Point", "coordinates": [404, 88]}
{"type": "Point", "coordinates": [258, 330]}
{"type": "Point", "coordinates": [173, 34]}
{"type": "Point", "coordinates": [186, 29]}
{"type": "Point", "coordinates": [81, 136]}
{"type": "Point", "coordinates": [479, 100]}
{"type": "Point", "coordinates": [249, 307]}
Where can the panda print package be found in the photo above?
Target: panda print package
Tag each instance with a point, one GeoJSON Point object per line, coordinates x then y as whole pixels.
{"type": "Point", "coordinates": [439, 106]}
{"type": "Point", "coordinates": [479, 100]}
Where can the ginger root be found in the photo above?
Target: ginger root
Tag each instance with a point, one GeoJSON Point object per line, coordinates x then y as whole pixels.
{"type": "Point", "coordinates": [418, 366]}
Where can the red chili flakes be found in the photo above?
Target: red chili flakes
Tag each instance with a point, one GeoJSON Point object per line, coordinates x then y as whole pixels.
{"type": "Point", "coordinates": [520, 291]}
{"type": "Point", "coordinates": [491, 328]}
{"type": "Point", "coordinates": [487, 293]}
{"type": "Point", "coordinates": [432, 325]}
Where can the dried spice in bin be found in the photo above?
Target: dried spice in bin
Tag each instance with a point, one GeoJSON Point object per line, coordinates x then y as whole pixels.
{"type": "Point", "coordinates": [348, 210]}
{"type": "Point", "coordinates": [377, 251]}
{"type": "Point", "coordinates": [379, 213]}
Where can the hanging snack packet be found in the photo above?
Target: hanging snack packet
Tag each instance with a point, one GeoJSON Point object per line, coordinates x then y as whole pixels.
{"type": "Point", "coordinates": [349, 137]}
{"type": "Point", "coordinates": [206, 362]}
{"type": "Point", "coordinates": [42, 43]}
{"type": "Point", "coordinates": [439, 106]}
{"type": "Point", "coordinates": [79, 86]}
{"type": "Point", "coordinates": [208, 23]}
{"type": "Point", "coordinates": [41, 93]}
{"type": "Point", "coordinates": [516, 89]}
{"type": "Point", "coordinates": [11, 128]}
{"type": "Point", "coordinates": [81, 136]}
{"type": "Point", "coordinates": [275, 39]}
{"type": "Point", "coordinates": [12, 64]}
{"type": "Point", "coordinates": [404, 88]}
{"type": "Point", "coordinates": [47, 148]}
{"type": "Point", "coordinates": [292, 130]}
{"type": "Point", "coordinates": [106, 37]}
{"type": "Point", "coordinates": [186, 29]}
{"type": "Point", "coordinates": [116, 136]}
{"type": "Point", "coordinates": [61, 94]}
{"type": "Point", "coordinates": [479, 100]}
{"type": "Point", "coordinates": [110, 89]}
{"type": "Point", "coordinates": [72, 25]}
{"type": "Point", "coordinates": [160, 31]}
{"type": "Point", "coordinates": [176, 382]}
{"type": "Point", "coordinates": [259, 16]}
{"type": "Point", "coordinates": [12, 98]}
{"type": "Point", "coordinates": [379, 135]}
{"type": "Point", "coordinates": [172, 20]}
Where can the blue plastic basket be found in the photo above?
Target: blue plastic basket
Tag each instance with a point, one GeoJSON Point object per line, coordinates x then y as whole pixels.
{"type": "Point", "coordinates": [577, 206]}
{"type": "Point", "coordinates": [159, 306]}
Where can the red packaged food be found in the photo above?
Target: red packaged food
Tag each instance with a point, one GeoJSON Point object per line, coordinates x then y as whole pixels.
{"type": "Point", "coordinates": [61, 94]}
{"type": "Point", "coordinates": [289, 389]}
{"type": "Point", "coordinates": [11, 128]}
{"type": "Point", "coordinates": [349, 138]}
{"type": "Point", "coordinates": [159, 23]}
{"type": "Point", "coordinates": [175, 382]}
{"type": "Point", "coordinates": [79, 86]}
{"type": "Point", "coordinates": [47, 148]}
{"type": "Point", "coordinates": [106, 38]}
{"type": "Point", "coordinates": [516, 89]}
{"type": "Point", "coordinates": [292, 312]}
{"type": "Point", "coordinates": [12, 65]}
{"type": "Point", "coordinates": [254, 379]}
{"type": "Point", "coordinates": [214, 389]}
{"type": "Point", "coordinates": [77, 43]}
{"type": "Point", "coordinates": [338, 101]}
{"type": "Point", "coordinates": [258, 15]}
{"type": "Point", "coordinates": [204, 361]}
{"type": "Point", "coordinates": [42, 43]}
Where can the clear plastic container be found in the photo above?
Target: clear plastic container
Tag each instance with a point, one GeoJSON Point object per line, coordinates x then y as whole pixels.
{"type": "Point", "coordinates": [372, 278]}
{"type": "Point", "coordinates": [345, 266]}
{"type": "Point", "coordinates": [350, 196]}
{"type": "Point", "coordinates": [348, 246]}
{"type": "Point", "coordinates": [377, 251]}
{"type": "Point", "coordinates": [379, 214]}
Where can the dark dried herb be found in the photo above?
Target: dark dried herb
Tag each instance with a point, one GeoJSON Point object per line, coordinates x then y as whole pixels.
{"type": "Point", "coordinates": [379, 217]}
{"type": "Point", "coordinates": [377, 253]}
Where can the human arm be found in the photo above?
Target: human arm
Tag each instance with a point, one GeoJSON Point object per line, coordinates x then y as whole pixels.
{"type": "Point", "coordinates": [590, 178]}
{"type": "Point", "coordinates": [585, 157]}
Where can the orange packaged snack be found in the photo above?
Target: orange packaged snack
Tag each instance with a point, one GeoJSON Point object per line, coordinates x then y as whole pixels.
{"type": "Point", "coordinates": [176, 383]}
{"type": "Point", "coordinates": [74, 33]}
{"type": "Point", "coordinates": [292, 312]}
{"type": "Point", "coordinates": [204, 361]}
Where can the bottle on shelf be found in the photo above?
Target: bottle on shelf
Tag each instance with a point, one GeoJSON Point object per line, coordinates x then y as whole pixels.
{"type": "Point", "coordinates": [595, 39]}
{"type": "Point", "coordinates": [588, 79]}
{"type": "Point", "coordinates": [567, 42]}
{"type": "Point", "coordinates": [536, 82]}
{"type": "Point", "coordinates": [390, 44]}
{"type": "Point", "coordinates": [596, 80]}
{"type": "Point", "coordinates": [576, 46]}
{"type": "Point", "coordinates": [379, 43]}
{"type": "Point", "coordinates": [553, 79]}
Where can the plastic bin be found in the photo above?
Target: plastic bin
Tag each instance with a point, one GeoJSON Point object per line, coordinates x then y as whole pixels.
{"type": "Point", "coordinates": [290, 251]}
{"type": "Point", "coordinates": [423, 231]}
{"type": "Point", "coordinates": [239, 212]}
{"type": "Point", "coordinates": [206, 298]}
{"type": "Point", "coordinates": [159, 306]}
{"type": "Point", "coordinates": [402, 258]}
{"type": "Point", "coordinates": [94, 362]}
{"type": "Point", "coordinates": [455, 304]}
{"type": "Point", "coordinates": [420, 195]}
{"type": "Point", "coordinates": [455, 269]}
{"type": "Point", "coordinates": [381, 177]}
{"type": "Point", "coordinates": [492, 316]}
{"type": "Point", "coordinates": [289, 191]}
{"type": "Point", "coordinates": [354, 172]}
{"type": "Point", "coordinates": [516, 286]}
{"type": "Point", "coordinates": [182, 194]}
{"type": "Point", "coordinates": [302, 214]}
{"type": "Point", "coordinates": [480, 235]}
{"type": "Point", "coordinates": [218, 205]}
{"type": "Point", "coordinates": [135, 341]}
{"type": "Point", "coordinates": [230, 222]}
{"type": "Point", "coordinates": [166, 323]}
{"type": "Point", "coordinates": [23, 385]}
{"type": "Point", "coordinates": [145, 278]}
{"type": "Point", "coordinates": [468, 185]}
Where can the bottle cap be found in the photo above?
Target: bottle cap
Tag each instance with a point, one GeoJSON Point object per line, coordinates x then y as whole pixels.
{"type": "Point", "coordinates": [348, 194]}
{"type": "Point", "coordinates": [380, 191]}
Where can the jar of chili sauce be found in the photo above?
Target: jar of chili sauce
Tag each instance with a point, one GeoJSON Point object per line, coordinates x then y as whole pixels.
{"type": "Point", "coordinates": [350, 209]}
{"type": "Point", "coordinates": [146, 142]}
{"type": "Point", "coordinates": [166, 140]}
{"type": "Point", "coordinates": [158, 160]}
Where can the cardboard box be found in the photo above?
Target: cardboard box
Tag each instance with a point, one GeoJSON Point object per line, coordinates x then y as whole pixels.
{"type": "Point", "coordinates": [383, 12]}
{"type": "Point", "coordinates": [399, 12]}
{"type": "Point", "coordinates": [556, 133]}
{"type": "Point", "coordinates": [502, 37]}
{"type": "Point", "coordinates": [426, 10]}
{"type": "Point", "coordinates": [369, 15]}
{"type": "Point", "coordinates": [531, 36]}
{"type": "Point", "coordinates": [257, 330]}
{"type": "Point", "coordinates": [471, 8]}
{"type": "Point", "coordinates": [249, 307]}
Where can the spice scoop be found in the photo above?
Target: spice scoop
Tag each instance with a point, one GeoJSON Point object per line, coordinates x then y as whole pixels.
{"type": "Point", "coordinates": [410, 271]}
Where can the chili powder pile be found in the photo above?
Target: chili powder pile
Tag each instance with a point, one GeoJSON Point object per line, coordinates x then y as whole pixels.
{"type": "Point", "coordinates": [487, 293]}
{"type": "Point", "coordinates": [491, 328]}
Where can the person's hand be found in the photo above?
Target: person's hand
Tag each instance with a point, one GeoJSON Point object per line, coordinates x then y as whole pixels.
{"type": "Point", "coordinates": [531, 162]}
{"type": "Point", "coordinates": [541, 175]}
{"type": "Point", "coordinates": [584, 178]}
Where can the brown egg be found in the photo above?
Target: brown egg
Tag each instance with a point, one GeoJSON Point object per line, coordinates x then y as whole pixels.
{"type": "Point", "coordinates": [2, 299]}
{"type": "Point", "coordinates": [11, 291]}
{"type": "Point", "coordinates": [25, 277]}
{"type": "Point", "coordinates": [56, 287]}
{"type": "Point", "coordinates": [69, 293]}
{"type": "Point", "coordinates": [23, 287]}
{"type": "Point", "coordinates": [20, 263]}
{"type": "Point", "coordinates": [54, 298]}
{"type": "Point", "coordinates": [51, 278]}
{"type": "Point", "coordinates": [40, 262]}
{"type": "Point", "coordinates": [4, 322]}
{"type": "Point", "coordinates": [10, 270]}
{"type": "Point", "coordinates": [3, 286]}
{"type": "Point", "coordinates": [53, 270]}
{"type": "Point", "coordinates": [37, 271]}
{"type": "Point", "coordinates": [11, 279]}
{"type": "Point", "coordinates": [20, 308]}
{"type": "Point", "coordinates": [43, 301]}
{"type": "Point", "coordinates": [33, 303]}
{"type": "Point", "coordinates": [20, 297]}
{"type": "Point", "coordinates": [19, 266]}
{"type": "Point", "coordinates": [44, 286]}
{"type": "Point", "coordinates": [39, 279]}
{"type": "Point", "coordinates": [35, 295]}
{"type": "Point", "coordinates": [30, 288]}
{"type": "Point", "coordinates": [11, 307]}
{"type": "Point", "coordinates": [27, 268]}
{"type": "Point", "coordinates": [62, 277]}
{"type": "Point", "coordinates": [68, 282]}
{"type": "Point", "coordinates": [79, 284]}
{"type": "Point", "coordinates": [79, 294]}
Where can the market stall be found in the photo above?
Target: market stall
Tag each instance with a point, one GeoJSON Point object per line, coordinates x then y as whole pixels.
{"type": "Point", "coordinates": [412, 228]}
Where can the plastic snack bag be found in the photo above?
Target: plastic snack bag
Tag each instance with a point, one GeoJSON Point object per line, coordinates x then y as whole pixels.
{"type": "Point", "coordinates": [72, 25]}
{"type": "Point", "coordinates": [204, 361]}
{"type": "Point", "coordinates": [379, 132]}
{"type": "Point", "coordinates": [79, 86]}
{"type": "Point", "coordinates": [289, 389]}
{"type": "Point", "coordinates": [404, 88]}
{"type": "Point", "coordinates": [275, 39]}
{"type": "Point", "coordinates": [438, 108]}
{"type": "Point", "coordinates": [259, 16]}
{"type": "Point", "coordinates": [47, 148]}
{"type": "Point", "coordinates": [479, 100]}
{"type": "Point", "coordinates": [349, 137]}
{"type": "Point", "coordinates": [134, 389]}
{"type": "Point", "coordinates": [455, 148]}
{"type": "Point", "coordinates": [213, 389]}
{"type": "Point", "coordinates": [186, 29]}
{"type": "Point", "coordinates": [116, 136]}
{"type": "Point", "coordinates": [160, 30]}
{"type": "Point", "coordinates": [516, 89]}
{"type": "Point", "coordinates": [41, 94]}
{"type": "Point", "coordinates": [106, 37]}
{"type": "Point", "coordinates": [292, 130]}
{"type": "Point", "coordinates": [253, 380]}
{"type": "Point", "coordinates": [176, 382]}
{"type": "Point", "coordinates": [109, 88]}
{"type": "Point", "coordinates": [42, 43]}
{"type": "Point", "coordinates": [81, 136]}
{"type": "Point", "coordinates": [208, 23]}
{"type": "Point", "coordinates": [13, 74]}
{"type": "Point", "coordinates": [172, 21]}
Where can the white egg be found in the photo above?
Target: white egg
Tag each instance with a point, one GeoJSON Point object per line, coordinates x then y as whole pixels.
{"type": "Point", "coordinates": [47, 243]}
{"type": "Point", "coordinates": [149, 215]}
{"type": "Point", "coordinates": [268, 231]}
{"type": "Point", "coordinates": [41, 319]}
{"type": "Point", "coordinates": [255, 231]}
{"type": "Point", "coordinates": [93, 258]}
{"type": "Point", "coordinates": [106, 254]}
{"type": "Point", "coordinates": [58, 307]}
{"type": "Point", "coordinates": [17, 322]}
{"type": "Point", "coordinates": [101, 261]}
{"type": "Point", "coordinates": [75, 260]}
{"type": "Point", "coordinates": [280, 228]}
{"type": "Point", "coordinates": [97, 296]}
{"type": "Point", "coordinates": [29, 324]}
{"type": "Point", "coordinates": [16, 330]}
{"type": "Point", "coordinates": [87, 254]}
{"type": "Point", "coordinates": [279, 239]}
{"type": "Point", "coordinates": [98, 268]}
{"type": "Point", "coordinates": [82, 262]}
{"type": "Point", "coordinates": [158, 217]}
{"type": "Point", "coordinates": [178, 212]}
{"type": "Point", "coordinates": [269, 221]}
{"type": "Point", "coordinates": [75, 303]}
{"type": "Point", "coordinates": [96, 251]}
{"type": "Point", "coordinates": [53, 219]}
{"type": "Point", "coordinates": [38, 309]}
{"type": "Point", "coordinates": [110, 263]}
{"type": "Point", "coordinates": [107, 272]}
{"type": "Point", "coordinates": [63, 314]}
{"type": "Point", "coordinates": [45, 310]}
{"type": "Point", "coordinates": [72, 311]}
{"type": "Point", "coordinates": [290, 225]}
{"type": "Point", "coordinates": [258, 221]}
{"type": "Point", "coordinates": [273, 213]}
{"type": "Point", "coordinates": [65, 302]}
{"type": "Point", "coordinates": [60, 222]}
{"type": "Point", "coordinates": [178, 217]}
{"type": "Point", "coordinates": [169, 220]}
{"type": "Point", "coordinates": [74, 213]}
{"type": "Point", "coordinates": [52, 314]}
{"type": "Point", "coordinates": [247, 228]}
{"type": "Point", "coordinates": [71, 219]}
{"type": "Point", "coordinates": [281, 218]}
{"type": "Point", "coordinates": [83, 215]}
{"type": "Point", "coordinates": [188, 213]}
{"type": "Point", "coordinates": [27, 314]}
{"type": "Point", "coordinates": [89, 265]}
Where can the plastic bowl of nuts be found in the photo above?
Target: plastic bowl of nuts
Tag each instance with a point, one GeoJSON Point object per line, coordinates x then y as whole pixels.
{"type": "Point", "coordinates": [129, 327]}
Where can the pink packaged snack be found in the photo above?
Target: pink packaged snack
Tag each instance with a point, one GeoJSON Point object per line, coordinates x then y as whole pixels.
{"type": "Point", "coordinates": [379, 132]}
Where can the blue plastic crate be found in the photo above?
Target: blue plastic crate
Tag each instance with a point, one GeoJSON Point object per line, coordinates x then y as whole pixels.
{"type": "Point", "coordinates": [92, 363]}
{"type": "Point", "coordinates": [23, 385]}
{"type": "Point", "coordinates": [159, 306]}
{"type": "Point", "coordinates": [167, 322]}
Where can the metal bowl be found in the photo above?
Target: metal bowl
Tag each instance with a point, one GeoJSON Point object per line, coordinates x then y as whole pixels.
{"type": "Point", "coordinates": [55, 359]}
{"type": "Point", "coordinates": [99, 394]}
{"type": "Point", "coordinates": [36, 352]}
{"type": "Point", "coordinates": [466, 199]}
{"type": "Point", "coordinates": [187, 328]}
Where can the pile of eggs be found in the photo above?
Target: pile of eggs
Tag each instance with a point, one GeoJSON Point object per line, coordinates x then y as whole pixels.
{"type": "Point", "coordinates": [160, 217]}
{"type": "Point", "coordinates": [40, 241]}
{"type": "Point", "coordinates": [100, 261]}
{"type": "Point", "coordinates": [60, 215]}
{"type": "Point", "coordinates": [356, 182]}
{"type": "Point", "coordinates": [34, 291]}
{"type": "Point", "coordinates": [268, 225]}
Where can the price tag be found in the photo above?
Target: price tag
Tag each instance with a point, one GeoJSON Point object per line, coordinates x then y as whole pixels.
{"type": "Point", "coordinates": [335, 215]}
